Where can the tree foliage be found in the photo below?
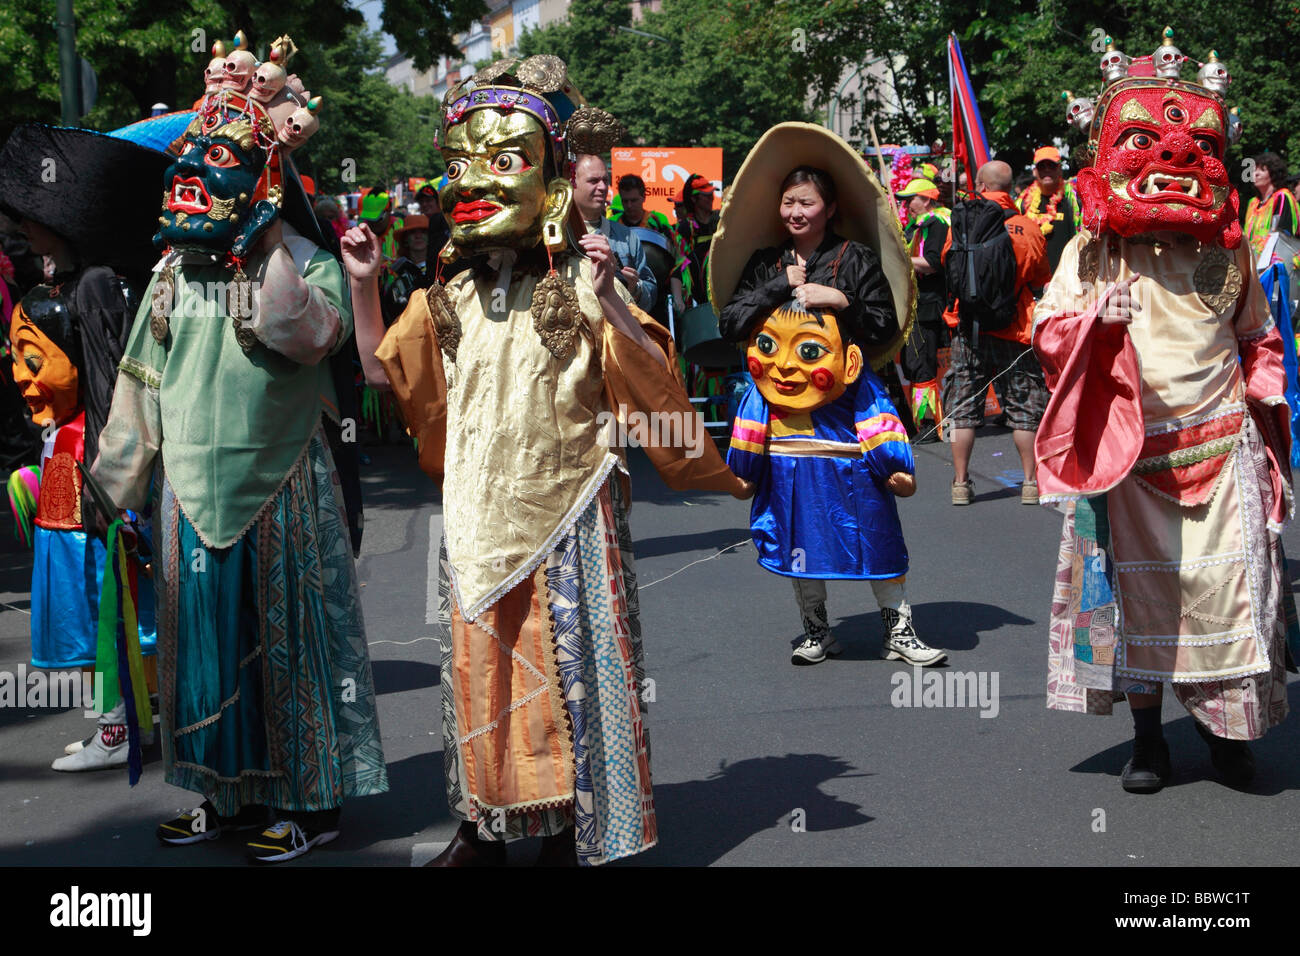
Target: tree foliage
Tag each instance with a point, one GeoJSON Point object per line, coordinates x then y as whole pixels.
{"type": "Point", "coordinates": [698, 86]}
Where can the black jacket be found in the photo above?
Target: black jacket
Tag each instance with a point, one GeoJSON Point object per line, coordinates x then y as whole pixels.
{"type": "Point", "coordinates": [869, 319]}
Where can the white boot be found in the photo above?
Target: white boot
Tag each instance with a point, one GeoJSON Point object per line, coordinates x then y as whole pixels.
{"type": "Point", "coordinates": [901, 642]}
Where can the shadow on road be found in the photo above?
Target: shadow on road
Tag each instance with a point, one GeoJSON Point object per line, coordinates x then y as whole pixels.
{"type": "Point", "coordinates": [700, 821]}
{"type": "Point", "coordinates": [393, 677]}
{"type": "Point", "coordinates": [685, 543]}
{"type": "Point", "coordinates": [950, 625]}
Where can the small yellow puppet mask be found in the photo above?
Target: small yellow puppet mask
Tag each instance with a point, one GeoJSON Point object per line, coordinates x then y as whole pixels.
{"type": "Point", "coordinates": [799, 361]}
{"type": "Point", "coordinates": [44, 373]}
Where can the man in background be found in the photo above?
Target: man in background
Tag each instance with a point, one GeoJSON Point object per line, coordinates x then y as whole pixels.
{"type": "Point", "coordinates": [590, 195]}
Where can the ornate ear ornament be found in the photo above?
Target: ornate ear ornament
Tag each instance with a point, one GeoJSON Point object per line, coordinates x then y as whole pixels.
{"type": "Point", "coordinates": [556, 314]}
{"type": "Point", "coordinates": [443, 317]}
{"type": "Point", "coordinates": [592, 130]}
{"type": "Point", "coordinates": [495, 70]}
{"type": "Point", "coordinates": [542, 73]}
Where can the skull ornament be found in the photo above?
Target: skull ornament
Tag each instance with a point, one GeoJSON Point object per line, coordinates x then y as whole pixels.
{"type": "Point", "coordinates": [1159, 163]}
{"type": "Point", "coordinates": [1078, 110]}
{"type": "Point", "coordinates": [1213, 75]}
{"type": "Point", "coordinates": [299, 127]}
{"type": "Point", "coordinates": [214, 74]}
{"type": "Point", "coordinates": [1168, 59]}
{"type": "Point", "coordinates": [268, 80]}
{"type": "Point", "coordinates": [1114, 64]}
{"type": "Point", "coordinates": [239, 68]}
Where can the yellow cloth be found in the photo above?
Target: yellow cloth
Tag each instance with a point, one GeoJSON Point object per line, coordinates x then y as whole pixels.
{"type": "Point", "coordinates": [514, 432]}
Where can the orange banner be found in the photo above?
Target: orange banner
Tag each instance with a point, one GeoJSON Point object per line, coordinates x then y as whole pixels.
{"type": "Point", "coordinates": [665, 169]}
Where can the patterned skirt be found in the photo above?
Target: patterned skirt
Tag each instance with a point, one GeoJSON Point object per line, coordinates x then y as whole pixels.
{"type": "Point", "coordinates": [264, 675]}
{"type": "Point", "coordinates": [1150, 591]}
{"type": "Point", "coordinates": [543, 715]}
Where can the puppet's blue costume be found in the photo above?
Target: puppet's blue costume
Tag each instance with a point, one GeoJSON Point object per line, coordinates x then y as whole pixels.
{"type": "Point", "coordinates": [822, 509]}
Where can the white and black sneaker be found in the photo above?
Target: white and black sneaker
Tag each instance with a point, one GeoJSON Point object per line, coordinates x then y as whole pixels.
{"type": "Point", "coordinates": [286, 840]}
{"type": "Point", "coordinates": [901, 642]}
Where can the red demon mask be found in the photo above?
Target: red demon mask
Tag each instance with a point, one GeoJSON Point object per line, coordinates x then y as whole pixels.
{"type": "Point", "coordinates": [1159, 163]}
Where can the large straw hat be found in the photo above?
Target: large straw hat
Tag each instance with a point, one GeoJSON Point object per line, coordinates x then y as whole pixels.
{"type": "Point", "coordinates": [751, 217]}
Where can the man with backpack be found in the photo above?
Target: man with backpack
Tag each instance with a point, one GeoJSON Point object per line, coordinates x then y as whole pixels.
{"type": "Point", "coordinates": [992, 258]}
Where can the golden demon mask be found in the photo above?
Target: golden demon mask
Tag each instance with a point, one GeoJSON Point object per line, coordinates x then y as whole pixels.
{"type": "Point", "coordinates": [510, 133]}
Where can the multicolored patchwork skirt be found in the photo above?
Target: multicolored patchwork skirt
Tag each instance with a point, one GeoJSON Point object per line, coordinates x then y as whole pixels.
{"type": "Point", "coordinates": [264, 675]}
{"type": "Point", "coordinates": [543, 715]}
{"type": "Point", "coordinates": [1150, 590]}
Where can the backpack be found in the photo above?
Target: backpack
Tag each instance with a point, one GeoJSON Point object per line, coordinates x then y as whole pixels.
{"type": "Point", "coordinates": [981, 266]}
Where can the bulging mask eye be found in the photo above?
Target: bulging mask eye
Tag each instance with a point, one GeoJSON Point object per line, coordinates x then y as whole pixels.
{"type": "Point", "coordinates": [1138, 140]}
{"type": "Point", "coordinates": [220, 156]}
{"type": "Point", "coordinates": [765, 344]}
{"type": "Point", "coordinates": [509, 164]}
{"type": "Point", "coordinates": [1175, 114]}
{"type": "Point", "coordinates": [456, 169]}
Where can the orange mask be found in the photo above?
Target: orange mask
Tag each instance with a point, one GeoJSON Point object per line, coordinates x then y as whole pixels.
{"type": "Point", "coordinates": [800, 364]}
{"type": "Point", "coordinates": [44, 373]}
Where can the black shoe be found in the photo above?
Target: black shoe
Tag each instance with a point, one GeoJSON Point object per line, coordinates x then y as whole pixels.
{"type": "Point", "coordinates": [203, 823]}
{"type": "Point", "coordinates": [1232, 758]}
{"type": "Point", "coordinates": [1148, 770]}
{"type": "Point", "coordinates": [468, 849]}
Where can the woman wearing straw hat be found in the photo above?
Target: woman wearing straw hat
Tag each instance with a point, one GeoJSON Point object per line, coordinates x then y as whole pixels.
{"type": "Point", "coordinates": [776, 251]}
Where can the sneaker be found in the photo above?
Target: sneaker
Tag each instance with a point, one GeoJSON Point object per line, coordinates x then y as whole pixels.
{"type": "Point", "coordinates": [813, 651]}
{"type": "Point", "coordinates": [286, 840]}
{"type": "Point", "coordinates": [97, 754]}
{"type": "Point", "coordinates": [1148, 770]}
{"type": "Point", "coordinates": [1232, 758]}
{"type": "Point", "coordinates": [1029, 493]}
{"type": "Point", "coordinates": [204, 823]}
{"type": "Point", "coordinates": [901, 642]}
{"type": "Point", "coordinates": [963, 493]}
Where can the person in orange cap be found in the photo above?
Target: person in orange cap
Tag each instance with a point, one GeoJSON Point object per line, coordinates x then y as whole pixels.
{"type": "Point", "coordinates": [1052, 203]}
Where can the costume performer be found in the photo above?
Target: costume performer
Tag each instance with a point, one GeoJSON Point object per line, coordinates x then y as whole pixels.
{"type": "Point", "coordinates": [67, 337]}
{"type": "Point", "coordinates": [1166, 441]}
{"type": "Point", "coordinates": [267, 698]}
{"type": "Point", "coordinates": [817, 431]}
{"type": "Point", "coordinates": [504, 377]}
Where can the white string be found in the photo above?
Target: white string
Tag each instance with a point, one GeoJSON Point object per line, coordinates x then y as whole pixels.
{"type": "Point", "coordinates": [738, 544]}
{"type": "Point", "coordinates": [18, 609]}
{"type": "Point", "coordinates": [981, 396]}
{"type": "Point", "coordinates": [400, 643]}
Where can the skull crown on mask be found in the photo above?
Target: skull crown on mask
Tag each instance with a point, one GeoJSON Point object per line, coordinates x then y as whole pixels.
{"type": "Point", "coordinates": [1159, 164]}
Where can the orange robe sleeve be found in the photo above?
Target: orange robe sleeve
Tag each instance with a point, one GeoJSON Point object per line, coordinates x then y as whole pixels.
{"type": "Point", "coordinates": [412, 358]}
{"type": "Point", "coordinates": [636, 380]}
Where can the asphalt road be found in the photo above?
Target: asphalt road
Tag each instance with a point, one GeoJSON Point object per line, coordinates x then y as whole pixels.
{"type": "Point", "coordinates": [755, 761]}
